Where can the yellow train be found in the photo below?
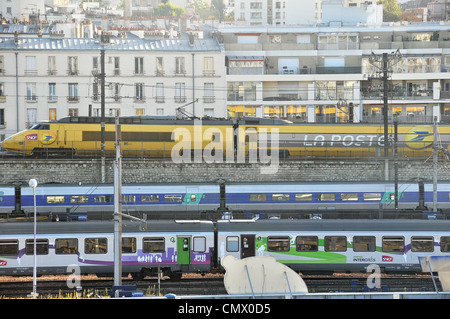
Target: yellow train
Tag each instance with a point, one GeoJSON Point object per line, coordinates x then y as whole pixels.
{"type": "Point", "coordinates": [220, 139]}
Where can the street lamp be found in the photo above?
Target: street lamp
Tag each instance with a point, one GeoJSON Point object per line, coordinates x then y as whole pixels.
{"type": "Point", "coordinates": [33, 184]}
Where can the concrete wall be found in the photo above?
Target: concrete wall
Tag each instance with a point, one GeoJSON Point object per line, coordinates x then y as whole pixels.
{"type": "Point", "coordinates": [143, 171]}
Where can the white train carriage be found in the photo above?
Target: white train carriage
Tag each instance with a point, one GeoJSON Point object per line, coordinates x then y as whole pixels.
{"type": "Point", "coordinates": [333, 245]}
{"type": "Point", "coordinates": [174, 246]}
{"type": "Point", "coordinates": [62, 198]}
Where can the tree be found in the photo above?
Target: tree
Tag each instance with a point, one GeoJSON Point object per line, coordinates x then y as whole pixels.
{"type": "Point", "coordinates": [168, 10]}
{"type": "Point", "coordinates": [391, 10]}
{"type": "Point", "coordinates": [218, 9]}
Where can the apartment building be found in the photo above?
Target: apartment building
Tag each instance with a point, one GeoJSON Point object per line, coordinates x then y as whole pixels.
{"type": "Point", "coordinates": [328, 73]}
{"type": "Point", "coordinates": [50, 78]}
{"type": "Point", "coordinates": [277, 12]}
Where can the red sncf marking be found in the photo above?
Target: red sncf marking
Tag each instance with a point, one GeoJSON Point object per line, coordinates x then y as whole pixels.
{"type": "Point", "coordinates": [388, 258]}
{"type": "Point", "coordinates": [3, 262]}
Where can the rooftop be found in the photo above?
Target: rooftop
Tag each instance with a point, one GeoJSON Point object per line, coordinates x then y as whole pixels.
{"type": "Point", "coordinates": [115, 44]}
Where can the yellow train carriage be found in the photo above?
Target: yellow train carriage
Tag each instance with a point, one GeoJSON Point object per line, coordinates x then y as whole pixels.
{"type": "Point", "coordinates": [185, 139]}
{"type": "Point", "coordinates": [359, 140]}
{"type": "Point", "coordinates": [140, 137]}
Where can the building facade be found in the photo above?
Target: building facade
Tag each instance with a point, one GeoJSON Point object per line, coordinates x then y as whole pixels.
{"type": "Point", "coordinates": [50, 78]}
{"type": "Point", "coordinates": [326, 73]}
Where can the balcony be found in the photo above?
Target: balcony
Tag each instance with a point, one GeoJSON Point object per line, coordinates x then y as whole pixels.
{"type": "Point", "coordinates": [399, 94]}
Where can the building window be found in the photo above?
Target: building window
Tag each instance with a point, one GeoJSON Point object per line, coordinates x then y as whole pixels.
{"type": "Point", "coordinates": [95, 63]}
{"type": "Point", "coordinates": [51, 65]}
{"type": "Point", "coordinates": [52, 92]}
{"type": "Point", "coordinates": [180, 94]}
{"type": "Point", "coordinates": [116, 66]}
{"type": "Point", "coordinates": [30, 65]}
{"type": "Point", "coordinates": [72, 65]}
{"type": "Point", "coordinates": [159, 66]}
{"type": "Point", "coordinates": [73, 112]}
{"type": "Point", "coordinates": [31, 92]}
{"type": "Point", "coordinates": [208, 92]}
{"type": "Point", "coordinates": [138, 65]}
{"type": "Point", "coordinates": [52, 114]}
{"type": "Point", "coordinates": [139, 92]}
{"type": "Point", "coordinates": [95, 94]}
{"type": "Point", "coordinates": [179, 66]}
{"type": "Point", "coordinates": [208, 66]}
{"type": "Point", "coordinates": [73, 92]}
{"type": "Point", "coordinates": [159, 92]}
{"type": "Point", "coordinates": [2, 92]}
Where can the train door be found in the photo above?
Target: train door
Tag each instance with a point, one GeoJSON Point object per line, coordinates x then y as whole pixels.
{"type": "Point", "coordinates": [183, 250]}
{"type": "Point", "coordinates": [247, 246]}
{"type": "Point", "coordinates": [192, 199]}
{"type": "Point", "coordinates": [61, 136]}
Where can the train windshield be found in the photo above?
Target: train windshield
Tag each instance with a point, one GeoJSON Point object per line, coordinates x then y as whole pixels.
{"type": "Point", "coordinates": [40, 126]}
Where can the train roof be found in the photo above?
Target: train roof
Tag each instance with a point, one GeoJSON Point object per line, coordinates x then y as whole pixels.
{"type": "Point", "coordinates": [172, 120]}
{"type": "Point", "coordinates": [24, 228]}
{"type": "Point", "coordinates": [333, 225]}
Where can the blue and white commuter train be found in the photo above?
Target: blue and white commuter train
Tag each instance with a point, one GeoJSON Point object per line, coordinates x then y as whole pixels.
{"type": "Point", "coordinates": [172, 200]}
{"type": "Point", "coordinates": [176, 247]}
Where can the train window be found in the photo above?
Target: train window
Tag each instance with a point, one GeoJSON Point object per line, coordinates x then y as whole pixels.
{"type": "Point", "coordinates": [9, 247]}
{"type": "Point", "coordinates": [372, 196]}
{"type": "Point", "coordinates": [40, 127]}
{"type": "Point", "coordinates": [327, 197]}
{"type": "Point", "coordinates": [280, 197]}
{"type": "Point", "coordinates": [393, 244]}
{"type": "Point", "coordinates": [55, 199]}
{"type": "Point", "coordinates": [95, 245]}
{"type": "Point", "coordinates": [199, 244]}
{"type": "Point", "coordinates": [41, 246]}
{"type": "Point", "coordinates": [335, 243]}
{"type": "Point", "coordinates": [364, 243]}
{"type": "Point", "coordinates": [232, 243]}
{"type": "Point", "coordinates": [153, 245]}
{"type": "Point", "coordinates": [425, 244]}
{"type": "Point", "coordinates": [150, 198]}
{"type": "Point", "coordinates": [445, 243]}
{"type": "Point", "coordinates": [349, 197]}
{"type": "Point", "coordinates": [128, 245]}
{"type": "Point", "coordinates": [129, 198]}
{"type": "Point", "coordinates": [258, 197]}
{"type": "Point", "coordinates": [303, 197]}
{"type": "Point", "coordinates": [79, 199]}
{"type": "Point", "coordinates": [278, 243]}
{"type": "Point", "coordinates": [173, 198]}
{"type": "Point", "coordinates": [306, 243]}
{"type": "Point", "coordinates": [193, 197]}
{"type": "Point", "coordinates": [103, 199]}
{"type": "Point", "coordinates": [66, 246]}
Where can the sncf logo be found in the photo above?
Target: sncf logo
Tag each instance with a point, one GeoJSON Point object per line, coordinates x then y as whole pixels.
{"type": "Point", "coordinates": [31, 137]}
{"type": "Point", "coordinates": [3, 262]}
{"type": "Point", "coordinates": [388, 258]}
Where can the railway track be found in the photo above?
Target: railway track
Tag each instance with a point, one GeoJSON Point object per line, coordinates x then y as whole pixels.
{"type": "Point", "coordinates": [98, 288]}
